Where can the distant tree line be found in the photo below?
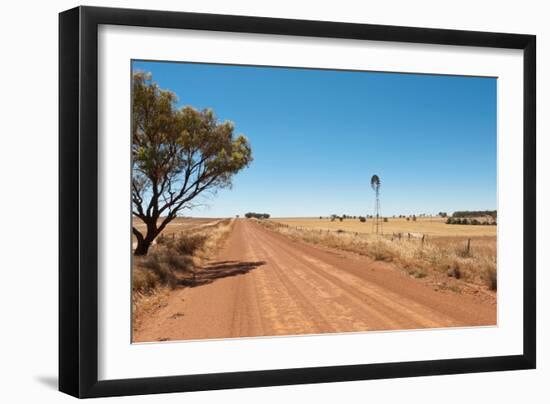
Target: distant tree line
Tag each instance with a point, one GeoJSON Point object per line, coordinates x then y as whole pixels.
{"type": "Point", "coordinates": [475, 213]}
{"type": "Point", "coordinates": [335, 217]}
{"type": "Point", "coordinates": [256, 215]}
{"type": "Point", "coordinates": [472, 221]}
{"type": "Point", "coordinates": [341, 218]}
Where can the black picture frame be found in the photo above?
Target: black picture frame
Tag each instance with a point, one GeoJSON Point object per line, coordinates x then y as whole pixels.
{"type": "Point", "coordinates": [78, 201]}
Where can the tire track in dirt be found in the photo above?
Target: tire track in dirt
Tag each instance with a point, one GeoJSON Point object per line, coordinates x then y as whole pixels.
{"type": "Point", "coordinates": [270, 285]}
{"type": "Point", "coordinates": [409, 313]}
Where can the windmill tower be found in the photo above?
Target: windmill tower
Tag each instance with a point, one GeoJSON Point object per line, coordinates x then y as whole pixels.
{"type": "Point", "coordinates": [376, 223]}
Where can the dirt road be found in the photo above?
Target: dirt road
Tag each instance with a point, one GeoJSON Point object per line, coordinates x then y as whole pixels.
{"type": "Point", "coordinates": [264, 284]}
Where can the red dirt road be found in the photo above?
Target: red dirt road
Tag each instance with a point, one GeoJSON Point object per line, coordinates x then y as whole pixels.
{"type": "Point", "coordinates": [264, 284]}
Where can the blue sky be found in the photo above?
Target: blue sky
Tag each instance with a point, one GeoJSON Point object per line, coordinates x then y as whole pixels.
{"type": "Point", "coordinates": [318, 136]}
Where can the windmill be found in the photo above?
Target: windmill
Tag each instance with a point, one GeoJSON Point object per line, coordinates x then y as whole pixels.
{"type": "Point", "coordinates": [375, 185]}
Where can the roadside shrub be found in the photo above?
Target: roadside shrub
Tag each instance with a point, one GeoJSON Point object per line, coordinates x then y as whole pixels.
{"type": "Point", "coordinates": [190, 243]}
{"type": "Point", "coordinates": [491, 277]}
{"type": "Point", "coordinates": [385, 219]}
{"type": "Point", "coordinates": [162, 273]}
{"type": "Point", "coordinates": [151, 261]}
{"type": "Point", "coordinates": [144, 280]}
{"type": "Point", "coordinates": [162, 239]}
{"type": "Point", "coordinates": [454, 270]}
{"type": "Point", "coordinates": [417, 273]}
{"type": "Point", "coordinates": [379, 252]}
{"type": "Point", "coordinates": [177, 262]}
{"type": "Point", "coordinates": [362, 219]}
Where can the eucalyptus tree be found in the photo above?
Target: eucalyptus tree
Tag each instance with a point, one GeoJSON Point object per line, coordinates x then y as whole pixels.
{"type": "Point", "coordinates": [177, 155]}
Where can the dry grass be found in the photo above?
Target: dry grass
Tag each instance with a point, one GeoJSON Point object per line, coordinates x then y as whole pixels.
{"type": "Point", "coordinates": [172, 262]}
{"type": "Point", "coordinates": [144, 303]}
{"type": "Point", "coordinates": [184, 244]}
{"type": "Point", "coordinates": [176, 226]}
{"type": "Point", "coordinates": [436, 256]}
{"type": "Point", "coordinates": [431, 226]}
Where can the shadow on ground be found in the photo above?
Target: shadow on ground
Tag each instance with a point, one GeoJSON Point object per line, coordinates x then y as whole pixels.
{"type": "Point", "coordinates": [48, 381]}
{"type": "Point", "coordinates": [221, 269]}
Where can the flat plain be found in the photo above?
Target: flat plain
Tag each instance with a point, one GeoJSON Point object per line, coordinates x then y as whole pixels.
{"type": "Point", "coordinates": [430, 226]}
{"type": "Point", "coordinates": [177, 225]}
{"type": "Point", "coordinates": [266, 278]}
{"type": "Point", "coordinates": [262, 283]}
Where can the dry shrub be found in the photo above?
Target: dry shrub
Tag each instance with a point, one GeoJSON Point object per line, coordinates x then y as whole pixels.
{"type": "Point", "coordinates": [417, 273]}
{"type": "Point", "coordinates": [163, 239]}
{"type": "Point", "coordinates": [156, 264]}
{"type": "Point", "coordinates": [454, 270]}
{"type": "Point", "coordinates": [144, 280]}
{"type": "Point", "coordinates": [143, 303]}
{"type": "Point", "coordinates": [491, 277]}
{"type": "Point", "coordinates": [442, 255]}
{"type": "Point", "coordinates": [380, 251]}
{"type": "Point", "coordinates": [177, 262]}
{"type": "Point", "coordinates": [171, 261]}
{"type": "Point", "coordinates": [190, 243]}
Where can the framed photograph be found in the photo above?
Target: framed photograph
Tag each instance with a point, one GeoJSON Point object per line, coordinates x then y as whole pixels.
{"type": "Point", "coordinates": [251, 201]}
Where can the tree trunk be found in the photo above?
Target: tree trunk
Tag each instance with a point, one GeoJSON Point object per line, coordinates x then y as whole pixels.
{"type": "Point", "coordinates": [142, 246]}
{"type": "Point", "coordinates": [143, 243]}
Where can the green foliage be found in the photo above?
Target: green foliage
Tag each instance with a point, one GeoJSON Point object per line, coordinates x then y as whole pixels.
{"type": "Point", "coordinates": [257, 215]}
{"type": "Point", "coordinates": [475, 213]}
{"type": "Point", "coordinates": [177, 154]}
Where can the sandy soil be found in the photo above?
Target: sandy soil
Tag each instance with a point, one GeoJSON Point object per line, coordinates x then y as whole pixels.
{"type": "Point", "coordinates": [263, 284]}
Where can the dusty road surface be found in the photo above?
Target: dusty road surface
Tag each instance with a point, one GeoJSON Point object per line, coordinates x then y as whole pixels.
{"type": "Point", "coordinates": [263, 284]}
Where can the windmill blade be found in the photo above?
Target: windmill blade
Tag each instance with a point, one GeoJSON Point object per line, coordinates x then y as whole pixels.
{"type": "Point", "coordinates": [375, 182]}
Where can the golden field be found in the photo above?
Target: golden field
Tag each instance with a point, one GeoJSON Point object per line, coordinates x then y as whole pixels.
{"type": "Point", "coordinates": [463, 256]}
{"type": "Point", "coordinates": [177, 225]}
{"type": "Point", "coordinates": [429, 226]}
